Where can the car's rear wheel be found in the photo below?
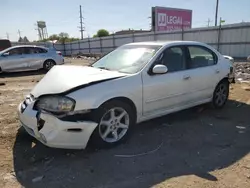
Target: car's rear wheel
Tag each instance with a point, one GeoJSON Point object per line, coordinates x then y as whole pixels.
{"type": "Point", "coordinates": [221, 94]}
{"type": "Point", "coordinates": [115, 120]}
{"type": "Point", "coordinates": [48, 64]}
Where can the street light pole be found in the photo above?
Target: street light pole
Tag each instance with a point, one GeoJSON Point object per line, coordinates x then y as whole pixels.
{"type": "Point", "coordinates": [216, 13]}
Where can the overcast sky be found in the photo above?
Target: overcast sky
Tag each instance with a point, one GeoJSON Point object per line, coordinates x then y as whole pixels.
{"type": "Point", "coordinates": [113, 15]}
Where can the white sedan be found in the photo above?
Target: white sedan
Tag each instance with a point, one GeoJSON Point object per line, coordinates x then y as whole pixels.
{"type": "Point", "coordinates": [101, 103]}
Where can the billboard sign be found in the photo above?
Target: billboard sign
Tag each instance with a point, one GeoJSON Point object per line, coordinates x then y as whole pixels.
{"type": "Point", "coordinates": [171, 19]}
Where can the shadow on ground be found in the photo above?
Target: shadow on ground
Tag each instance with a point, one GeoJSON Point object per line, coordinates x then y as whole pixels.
{"type": "Point", "coordinates": [22, 74]}
{"type": "Point", "coordinates": [194, 141]}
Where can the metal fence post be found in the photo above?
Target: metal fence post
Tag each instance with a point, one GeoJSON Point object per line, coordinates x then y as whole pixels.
{"type": "Point", "coordinates": [133, 36]}
{"type": "Point", "coordinates": [182, 33]}
{"type": "Point", "coordinates": [154, 35]}
{"type": "Point", "coordinates": [89, 44]}
{"type": "Point", "coordinates": [64, 49]}
{"type": "Point", "coordinates": [114, 41]}
{"type": "Point", "coordinates": [79, 48]}
{"type": "Point", "coordinates": [101, 43]}
{"type": "Point", "coordinates": [71, 48]}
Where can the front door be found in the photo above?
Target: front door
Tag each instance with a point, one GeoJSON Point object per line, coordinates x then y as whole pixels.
{"type": "Point", "coordinates": [14, 61]}
{"type": "Point", "coordinates": [162, 92]}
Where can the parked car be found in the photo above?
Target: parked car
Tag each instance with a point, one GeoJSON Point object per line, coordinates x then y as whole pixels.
{"type": "Point", "coordinates": [134, 83]}
{"type": "Point", "coordinates": [4, 43]}
{"type": "Point", "coordinates": [27, 57]}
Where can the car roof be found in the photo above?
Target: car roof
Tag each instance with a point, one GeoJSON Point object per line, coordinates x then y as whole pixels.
{"type": "Point", "coordinates": [18, 46]}
{"type": "Point", "coordinates": [164, 43]}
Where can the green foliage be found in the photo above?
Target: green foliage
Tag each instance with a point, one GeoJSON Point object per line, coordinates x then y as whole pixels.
{"type": "Point", "coordinates": [61, 37]}
{"type": "Point", "coordinates": [102, 33]}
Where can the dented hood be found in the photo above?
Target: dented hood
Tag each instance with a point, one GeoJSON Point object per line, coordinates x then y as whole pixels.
{"type": "Point", "coordinates": [67, 77]}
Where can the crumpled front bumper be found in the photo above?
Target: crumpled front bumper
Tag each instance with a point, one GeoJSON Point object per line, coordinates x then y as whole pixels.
{"type": "Point", "coordinates": [54, 132]}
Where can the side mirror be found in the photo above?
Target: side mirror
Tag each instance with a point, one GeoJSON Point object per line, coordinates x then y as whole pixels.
{"type": "Point", "coordinates": [6, 54]}
{"type": "Point", "coordinates": [160, 69]}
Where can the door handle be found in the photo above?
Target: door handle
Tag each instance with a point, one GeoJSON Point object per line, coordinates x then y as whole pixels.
{"type": "Point", "coordinates": [186, 77]}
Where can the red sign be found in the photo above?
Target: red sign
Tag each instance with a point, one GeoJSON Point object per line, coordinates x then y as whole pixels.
{"type": "Point", "coordinates": [170, 19]}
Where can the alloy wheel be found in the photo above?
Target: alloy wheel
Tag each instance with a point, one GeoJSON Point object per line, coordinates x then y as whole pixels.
{"type": "Point", "coordinates": [221, 95]}
{"type": "Point", "coordinates": [114, 125]}
{"type": "Point", "coordinates": [48, 65]}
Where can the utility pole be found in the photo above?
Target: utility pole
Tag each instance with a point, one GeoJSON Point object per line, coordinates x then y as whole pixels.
{"type": "Point", "coordinates": [7, 35]}
{"type": "Point", "coordinates": [81, 23]}
{"type": "Point", "coordinates": [19, 33]}
{"type": "Point", "coordinates": [216, 12]}
{"type": "Point", "coordinates": [208, 22]}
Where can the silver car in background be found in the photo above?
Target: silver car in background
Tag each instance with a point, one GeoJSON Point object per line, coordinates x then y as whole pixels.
{"type": "Point", "coordinates": [28, 57]}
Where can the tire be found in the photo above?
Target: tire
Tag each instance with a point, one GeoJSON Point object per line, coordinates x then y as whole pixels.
{"type": "Point", "coordinates": [48, 64]}
{"type": "Point", "coordinates": [221, 94]}
{"type": "Point", "coordinates": [104, 135]}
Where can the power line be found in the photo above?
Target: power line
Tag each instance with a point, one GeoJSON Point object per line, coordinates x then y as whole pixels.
{"type": "Point", "coordinates": [208, 22]}
{"type": "Point", "coordinates": [81, 23]}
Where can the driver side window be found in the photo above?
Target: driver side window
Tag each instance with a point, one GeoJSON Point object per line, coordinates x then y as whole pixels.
{"type": "Point", "coordinates": [15, 51]}
{"type": "Point", "coordinates": [173, 58]}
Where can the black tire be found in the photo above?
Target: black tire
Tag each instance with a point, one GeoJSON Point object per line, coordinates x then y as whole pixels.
{"type": "Point", "coordinates": [48, 64]}
{"type": "Point", "coordinates": [96, 139]}
{"type": "Point", "coordinates": [221, 94]}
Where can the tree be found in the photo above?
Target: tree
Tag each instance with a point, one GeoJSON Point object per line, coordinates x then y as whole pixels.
{"type": "Point", "coordinates": [20, 39]}
{"type": "Point", "coordinates": [25, 39]}
{"type": "Point", "coordinates": [102, 33]}
{"type": "Point", "coordinates": [63, 35]}
{"type": "Point", "coordinates": [54, 37]}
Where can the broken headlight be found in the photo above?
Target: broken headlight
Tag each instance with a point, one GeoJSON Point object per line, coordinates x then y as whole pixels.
{"type": "Point", "coordinates": [56, 104]}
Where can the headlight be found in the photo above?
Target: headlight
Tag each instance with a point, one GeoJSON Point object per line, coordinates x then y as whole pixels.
{"type": "Point", "coordinates": [57, 104]}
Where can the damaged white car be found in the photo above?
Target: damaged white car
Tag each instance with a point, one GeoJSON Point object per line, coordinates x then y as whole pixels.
{"type": "Point", "coordinates": [73, 105]}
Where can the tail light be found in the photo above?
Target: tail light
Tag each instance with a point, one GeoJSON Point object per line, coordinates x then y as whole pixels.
{"type": "Point", "coordinates": [59, 53]}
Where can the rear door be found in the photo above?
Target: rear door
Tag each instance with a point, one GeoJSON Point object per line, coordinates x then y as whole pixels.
{"type": "Point", "coordinates": [203, 70]}
{"type": "Point", "coordinates": [36, 57]}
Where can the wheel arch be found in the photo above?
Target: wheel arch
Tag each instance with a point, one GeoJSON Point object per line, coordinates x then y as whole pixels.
{"type": "Point", "coordinates": [49, 59]}
{"type": "Point", "coordinates": [225, 79]}
{"type": "Point", "coordinates": [124, 100]}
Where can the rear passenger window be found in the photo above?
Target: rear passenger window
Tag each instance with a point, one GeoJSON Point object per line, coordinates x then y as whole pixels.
{"type": "Point", "coordinates": [201, 57]}
{"type": "Point", "coordinates": [41, 50]}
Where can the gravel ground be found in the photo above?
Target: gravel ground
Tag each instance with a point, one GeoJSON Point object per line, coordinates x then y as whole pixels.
{"type": "Point", "coordinates": [200, 147]}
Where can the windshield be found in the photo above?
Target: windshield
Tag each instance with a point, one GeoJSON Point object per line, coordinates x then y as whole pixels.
{"type": "Point", "coordinates": [128, 58]}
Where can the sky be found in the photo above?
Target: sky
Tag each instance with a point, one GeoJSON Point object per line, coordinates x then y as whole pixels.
{"type": "Point", "coordinates": [112, 15]}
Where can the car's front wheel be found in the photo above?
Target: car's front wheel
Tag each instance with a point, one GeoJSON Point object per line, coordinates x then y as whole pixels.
{"type": "Point", "coordinates": [221, 94]}
{"type": "Point", "coordinates": [115, 120]}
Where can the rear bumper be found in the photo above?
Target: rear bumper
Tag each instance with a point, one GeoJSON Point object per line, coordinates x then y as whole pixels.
{"type": "Point", "coordinates": [54, 132]}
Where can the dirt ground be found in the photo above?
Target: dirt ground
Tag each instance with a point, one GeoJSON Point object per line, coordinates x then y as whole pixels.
{"type": "Point", "coordinates": [198, 148]}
